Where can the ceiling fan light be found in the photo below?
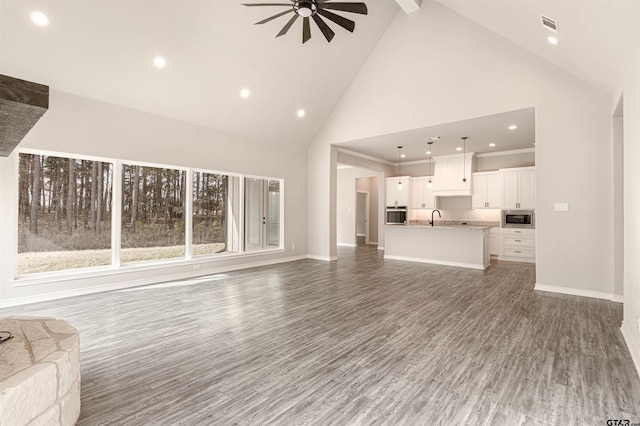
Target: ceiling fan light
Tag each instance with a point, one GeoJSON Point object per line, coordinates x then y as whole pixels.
{"type": "Point", "coordinates": [305, 12]}
{"type": "Point", "coordinates": [305, 8]}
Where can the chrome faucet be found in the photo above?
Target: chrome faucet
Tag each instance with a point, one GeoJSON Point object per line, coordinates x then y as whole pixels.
{"type": "Point", "coordinates": [435, 210]}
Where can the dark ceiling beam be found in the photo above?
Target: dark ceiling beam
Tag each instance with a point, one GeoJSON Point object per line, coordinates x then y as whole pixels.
{"type": "Point", "coordinates": [22, 103]}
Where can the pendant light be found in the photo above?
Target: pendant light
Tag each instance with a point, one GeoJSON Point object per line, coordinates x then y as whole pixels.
{"type": "Point", "coordinates": [464, 158]}
{"type": "Point", "coordinates": [399, 167]}
{"type": "Point", "coordinates": [430, 143]}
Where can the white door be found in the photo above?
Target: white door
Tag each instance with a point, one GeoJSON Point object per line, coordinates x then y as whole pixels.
{"type": "Point", "coordinates": [262, 213]}
{"type": "Point", "coordinates": [362, 216]}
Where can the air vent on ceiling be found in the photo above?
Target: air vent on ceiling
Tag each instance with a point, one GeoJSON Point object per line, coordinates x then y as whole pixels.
{"type": "Point", "coordinates": [549, 24]}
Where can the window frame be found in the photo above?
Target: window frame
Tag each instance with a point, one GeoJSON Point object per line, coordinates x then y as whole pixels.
{"type": "Point", "coordinates": [116, 266]}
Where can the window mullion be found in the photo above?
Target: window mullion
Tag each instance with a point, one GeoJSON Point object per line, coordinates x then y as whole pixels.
{"type": "Point", "coordinates": [188, 212]}
{"type": "Point", "coordinates": [116, 214]}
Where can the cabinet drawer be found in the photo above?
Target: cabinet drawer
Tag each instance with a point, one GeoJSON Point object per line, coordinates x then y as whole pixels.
{"type": "Point", "coordinates": [519, 252]}
{"type": "Point", "coordinates": [530, 233]}
{"type": "Point", "coordinates": [516, 241]}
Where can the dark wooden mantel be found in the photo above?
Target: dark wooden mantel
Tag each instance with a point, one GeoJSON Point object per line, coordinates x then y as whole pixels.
{"type": "Point", "coordinates": [22, 103]}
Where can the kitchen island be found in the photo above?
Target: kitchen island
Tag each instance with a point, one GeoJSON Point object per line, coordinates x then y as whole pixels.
{"type": "Point", "coordinates": [465, 246]}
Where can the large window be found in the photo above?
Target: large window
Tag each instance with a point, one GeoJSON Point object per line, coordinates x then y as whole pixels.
{"type": "Point", "coordinates": [210, 206]}
{"type": "Point", "coordinates": [67, 211]}
{"type": "Point", "coordinates": [64, 207]}
{"type": "Point", "coordinates": [153, 211]}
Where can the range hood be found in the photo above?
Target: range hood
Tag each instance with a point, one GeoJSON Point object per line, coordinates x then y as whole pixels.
{"type": "Point", "coordinates": [22, 103]}
{"type": "Point", "coordinates": [453, 175]}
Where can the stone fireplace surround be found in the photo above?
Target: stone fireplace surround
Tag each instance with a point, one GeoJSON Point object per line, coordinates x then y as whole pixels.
{"type": "Point", "coordinates": [39, 372]}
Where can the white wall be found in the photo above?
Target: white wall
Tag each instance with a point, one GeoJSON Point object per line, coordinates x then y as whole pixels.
{"type": "Point", "coordinates": [434, 67]}
{"type": "Point", "coordinates": [76, 125]}
{"type": "Point", "coordinates": [630, 90]}
{"type": "Point", "coordinates": [482, 163]}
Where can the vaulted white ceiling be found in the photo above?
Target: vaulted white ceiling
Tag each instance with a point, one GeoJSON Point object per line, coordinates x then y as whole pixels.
{"type": "Point", "coordinates": [103, 49]}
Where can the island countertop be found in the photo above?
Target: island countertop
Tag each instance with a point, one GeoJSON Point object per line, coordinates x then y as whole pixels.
{"type": "Point", "coordinates": [453, 226]}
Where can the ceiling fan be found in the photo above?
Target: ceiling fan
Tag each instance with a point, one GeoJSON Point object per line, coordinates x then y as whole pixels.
{"type": "Point", "coordinates": [314, 9]}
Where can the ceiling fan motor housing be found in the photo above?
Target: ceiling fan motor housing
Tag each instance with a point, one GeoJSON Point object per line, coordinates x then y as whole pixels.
{"type": "Point", "coordinates": [305, 8]}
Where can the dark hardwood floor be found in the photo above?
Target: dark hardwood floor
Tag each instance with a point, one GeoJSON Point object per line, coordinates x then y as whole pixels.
{"type": "Point", "coordinates": [357, 341]}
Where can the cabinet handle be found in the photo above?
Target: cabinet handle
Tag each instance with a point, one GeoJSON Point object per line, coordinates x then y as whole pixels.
{"type": "Point", "coordinates": [518, 251]}
{"type": "Point", "coordinates": [518, 241]}
{"type": "Point", "coordinates": [423, 205]}
{"type": "Point", "coordinates": [518, 232]}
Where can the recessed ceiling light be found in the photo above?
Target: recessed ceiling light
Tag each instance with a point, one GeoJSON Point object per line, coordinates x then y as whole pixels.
{"type": "Point", "coordinates": [403, 155]}
{"type": "Point", "coordinates": [245, 93]}
{"type": "Point", "coordinates": [159, 62]}
{"type": "Point", "coordinates": [553, 40]}
{"type": "Point", "coordinates": [301, 113]}
{"type": "Point", "coordinates": [513, 127]}
{"type": "Point", "coordinates": [459, 148]}
{"type": "Point", "coordinates": [492, 144]}
{"type": "Point", "coordinates": [39, 18]}
{"type": "Point", "coordinates": [428, 152]}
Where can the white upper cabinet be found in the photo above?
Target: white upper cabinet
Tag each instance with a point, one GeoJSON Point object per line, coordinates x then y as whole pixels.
{"type": "Point", "coordinates": [451, 171]}
{"type": "Point", "coordinates": [519, 188]}
{"type": "Point", "coordinates": [399, 195]}
{"type": "Point", "coordinates": [487, 190]}
{"type": "Point", "coordinates": [423, 197]}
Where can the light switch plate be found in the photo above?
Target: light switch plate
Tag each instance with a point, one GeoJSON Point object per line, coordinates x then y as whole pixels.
{"type": "Point", "coordinates": [562, 207]}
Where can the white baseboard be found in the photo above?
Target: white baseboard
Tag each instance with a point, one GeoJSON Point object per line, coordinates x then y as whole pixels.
{"type": "Point", "coordinates": [627, 334]}
{"type": "Point", "coordinates": [436, 262]}
{"type": "Point", "coordinates": [323, 258]}
{"type": "Point", "coordinates": [579, 292]}
{"type": "Point", "coordinates": [361, 235]}
{"type": "Point", "coordinates": [373, 243]}
{"type": "Point", "coordinates": [346, 245]}
{"type": "Point", "coordinates": [140, 282]}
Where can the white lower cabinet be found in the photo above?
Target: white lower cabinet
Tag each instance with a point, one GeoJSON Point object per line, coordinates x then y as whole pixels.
{"type": "Point", "coordinates": [518, 245]}
{"type": "Point", "coordinates": [494, 241]}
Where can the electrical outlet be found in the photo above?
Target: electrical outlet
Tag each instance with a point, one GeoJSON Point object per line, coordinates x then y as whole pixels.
{"type": "Point", "coordinates": [293, 246]}
{"type": "Point", "coordinates": [196, 267]}
{"type": "Point", "coordinates": [562, 207]}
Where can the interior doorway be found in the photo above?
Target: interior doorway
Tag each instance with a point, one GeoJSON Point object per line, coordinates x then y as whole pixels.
{"type": "Point", "coordinates": [362, 218]}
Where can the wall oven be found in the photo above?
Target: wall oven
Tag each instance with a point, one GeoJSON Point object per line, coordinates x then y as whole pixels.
{"type": "Point", "coordinates": [396, 215]}
{"type": "Point", "coordinates": [518, 219]}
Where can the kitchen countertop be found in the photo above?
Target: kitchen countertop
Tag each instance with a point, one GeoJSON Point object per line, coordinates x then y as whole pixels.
{"type": "Point", "coordinates": [454, 224]}
{"type": "Point", "coordinates": [449, 226]}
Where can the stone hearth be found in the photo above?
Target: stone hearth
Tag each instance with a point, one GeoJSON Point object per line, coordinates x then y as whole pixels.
{"type": "Point", "coordinates": [39, 372]}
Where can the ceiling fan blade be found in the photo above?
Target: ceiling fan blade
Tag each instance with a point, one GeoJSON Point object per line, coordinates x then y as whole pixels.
{"type": "Point", "coordinates": [274, 17]}
{"type": "Point", "coordinates": [266, 4]}
{"type": "Point", "coordinates": [360, 8]}
{"type": "Point", "coordinates": [326, 31]}
{"type": "Point", "coordinates": [345, 23]}
{"type": "Point", "coordinates": [306, 30]}
{"type": "Point", "coordinates": [288, 25]}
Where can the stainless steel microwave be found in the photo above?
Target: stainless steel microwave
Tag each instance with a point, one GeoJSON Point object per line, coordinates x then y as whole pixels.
{"type": "Point", "coordinates": [518, 219]}
{"type": "Point", "coordinates": [397, 215]}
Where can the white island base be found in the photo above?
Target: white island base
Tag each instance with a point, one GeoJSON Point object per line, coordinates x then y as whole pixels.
{"type": "Point", "coordinates": [462, 246]}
